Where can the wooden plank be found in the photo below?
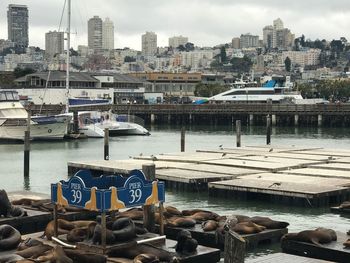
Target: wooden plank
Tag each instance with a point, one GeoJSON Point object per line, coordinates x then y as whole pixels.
{"type": "Point", "coordinates": [332, 166]}
{"type": "Point", "coordinates": [285, 258]}
{"type": "Point", "coordinates": [292, 178]}
{"type": "Point", "coordinates": [325, 152]}
{"type": "Point", "coordinates": [290, 189]}
{"type": "Point", "coordinates": [333, 251]}
{"type": "Point", "coordinates": [317, 172]}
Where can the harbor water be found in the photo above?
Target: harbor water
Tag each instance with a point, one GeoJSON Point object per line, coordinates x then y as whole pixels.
{"type": "Point", "coordinates": [48, 164]}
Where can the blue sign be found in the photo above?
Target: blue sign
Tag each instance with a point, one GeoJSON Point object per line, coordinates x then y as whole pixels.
{"type": "Point", "coordinates": [107, 193]}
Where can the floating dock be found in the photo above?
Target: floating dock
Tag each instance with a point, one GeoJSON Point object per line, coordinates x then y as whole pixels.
{"type": "Point", "coordinates": [285, 258]}
{"type": "Point", "coordinates": [37, 220]}
{"type": "Point", "coordinates": [209, 238]}
{"type": "Point", "coordinates": [333, 251]}
{"type": "Point", "coordinates": [303, 176]}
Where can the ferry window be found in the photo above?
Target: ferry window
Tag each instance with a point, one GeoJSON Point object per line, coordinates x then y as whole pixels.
{"type": "Point", "coordinates": [2, 97]}
{"type": "Point", "coordinates": [9, 95]}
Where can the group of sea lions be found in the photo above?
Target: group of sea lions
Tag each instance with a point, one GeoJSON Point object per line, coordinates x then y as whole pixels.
{"type": "Point", "coordinates": [7, 209]}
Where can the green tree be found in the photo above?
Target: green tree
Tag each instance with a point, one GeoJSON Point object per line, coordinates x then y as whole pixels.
{"type": "Point", "coordinates": [208, 90]}
{"type": "Point", "coordinates": [241, 64]}
{"type": "Point", "coordinates": [223, 56]}
{"type": "Point", "coordinates": [19, 72]}
{"type": "Point", "coordinates": [287, 64]}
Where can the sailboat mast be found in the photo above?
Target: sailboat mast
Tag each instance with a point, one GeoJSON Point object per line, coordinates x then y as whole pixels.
{"type": "Point", "coordinates": [68, 60]}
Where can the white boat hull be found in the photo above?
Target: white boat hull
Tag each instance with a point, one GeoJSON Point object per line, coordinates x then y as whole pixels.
{"type": "Point", "coordinates": [51, 131]}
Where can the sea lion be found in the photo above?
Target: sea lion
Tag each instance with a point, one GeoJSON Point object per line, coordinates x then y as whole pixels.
{"type": "Point", "coordinates": [134, 251]}
{"type": "Point", "coordinates": [79, 256]}
{"type": "Point", "coordinates": [316, 237]}
{"type": "Point", "coordinates": [123, 229]}
{"type": "Point", "coordinates": [203, 216]}
{"type": "Point", "coordinates": [83, 223]}
{"type": "Point", "coordinates": [185, 242]}
{"type": "Point", "coordinates": [268, 222]}
{"type": "Point", "coordinates": [34, 252]}
{"type": "Point", "coordinates": [63, 227]}
{"type": "Point", "coordinates": [57, 254]}
{"type": "Point", "coordinates": [80, 234]}
{"type": "Point", "coordinates": [173, 211]}
{"type": "Point", "coordinates": [146, 258]}
{"type": "Point", "coordinates": [133, 213]}
{"type": "Point", "coordinates": [209, 225]}
{"type": "Point", "coordinates": [9, 258]}
{"type": "Point", "coordinates": [181, 222]}
{"type": "Point", "coordinates": [29, 242]}
{"type": "Point", "coordinates": [247, 228]}
{"type": "Point", "coordinates": [9, 237]}
{"type": "Point", "coordinates": [346, 244]}
{"type": "Point", "coordinates": [194, 211]}
{"type": "Point", "coordinates": [97, 236]}
{"type": "Point", "coordinates": [7, 209]}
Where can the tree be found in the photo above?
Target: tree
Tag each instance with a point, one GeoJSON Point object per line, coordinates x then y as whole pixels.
{"type": "Point", "coordinates": [241, 64]}
{"type": "Point", "coordinates": [223, 56]}
{"type": "Point", "coordinates": [129, 59]}
{"type": "Point", "coordinates": [287, 64]}
{"type": "Point", "coordinates": [19, 72]}
{"type": "Point", "coordinates": [73, 52]}
{"type": "Point", "coordinates": [189, 46]}
{"type": "Point", "coordinates": [208, 90]}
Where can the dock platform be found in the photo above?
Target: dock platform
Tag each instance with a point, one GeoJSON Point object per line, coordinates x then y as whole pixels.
{"type": "Point", "coordinates": [209, 238]}
{"type": "Point", "coordinates": [333, 251]}
{"type": "Point", "coordinates": [285, 258]}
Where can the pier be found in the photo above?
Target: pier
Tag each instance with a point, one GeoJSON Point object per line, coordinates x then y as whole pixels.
{"type": "Point", "coordinates": [249, 113]}
{"type": "Point", "coordinates": [291, 175]}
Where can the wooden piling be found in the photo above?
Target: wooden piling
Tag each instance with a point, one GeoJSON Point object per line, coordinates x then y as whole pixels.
{"type": "Point", "coordinates": [55, 218]}
{"type": "Point", "coordinates": [161, 222]}
{"type": "Point", "coordinates": [104, 229]}
{"type": "Point", "coordinates": [149, 210]}
{"type": "Point", "coordinates": [268, 130]}
{"type": "Point", "coordinates": [75, 122]}
{"type": "Point", "coordinates": [238, 133]}
{"type": "Point", "coordinates": [106, 144]}
{"type": "Point", "coordinates": [182, 139]}
{"type": "Point", "coordinates": [234, 248]}
{"type": "Point", "coordinates": [27, 147]}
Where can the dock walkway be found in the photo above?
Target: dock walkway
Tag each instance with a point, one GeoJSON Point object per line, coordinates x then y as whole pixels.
{"type": "Point", "coordinates": [307, 176]}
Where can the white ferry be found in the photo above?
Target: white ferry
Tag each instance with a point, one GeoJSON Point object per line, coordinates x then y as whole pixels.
{"type": "Point", "coordinates": [277, 89]}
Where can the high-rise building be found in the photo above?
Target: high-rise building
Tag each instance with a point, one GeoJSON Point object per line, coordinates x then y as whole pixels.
{"type": "Point", "coordinates": [248, 40]}
{"type": "Point", "coordinates": [17, 22]}
{"type": "Point", "coordinates": [277, 36]}
{"type": "Point", "coordinates": [107, 34]}
{"type": "Point", "coordinates": [54, 43]}
{"type": "Point", "coordinates": [236, 43]}
{"type": "Point", "coordinates": [95, 34]}
{"type": "Point", "coordinates": [149, 44]}
{"type": "Point", "coordinates": [177, 41]}
{"type": "Point", "coordinates": [268, 36]}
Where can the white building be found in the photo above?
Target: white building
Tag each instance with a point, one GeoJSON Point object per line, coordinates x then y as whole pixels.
{"type": "Point", "coordinates": [95, 34]}
{"type": "Point", "coordinates": [302, 58]}
{"type": "Point", "coordinates": [177, 41]}
{"type": "Point", "coordinates": [248, 40]}
{"type": "Point", "coordinates": [107, 34]}
{"type": "Point", "coordinates": [197, 59]}
{"type": "Point", "coordinates": [149, 44]}
{"type": "Point", "coordinates": [54, 43]}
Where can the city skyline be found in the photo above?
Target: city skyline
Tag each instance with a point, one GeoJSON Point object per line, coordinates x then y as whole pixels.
{"type": "Point", "coordinates": [203, 22]}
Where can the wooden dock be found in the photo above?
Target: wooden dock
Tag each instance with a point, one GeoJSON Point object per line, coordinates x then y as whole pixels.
{"type": "Point", "coordinates": [307, 176]}
{"type": "Point", "coordinates": [210, 239]}
{"type": "Point", "coordinates": [285, 258]}
{"type": "Point", "coordinates": [37, 220]}
{"type": "Point", "coordinates": [333, 251]}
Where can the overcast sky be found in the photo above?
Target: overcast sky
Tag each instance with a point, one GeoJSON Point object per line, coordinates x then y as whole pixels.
{"type": "Point", "coordinates": [204, 22]}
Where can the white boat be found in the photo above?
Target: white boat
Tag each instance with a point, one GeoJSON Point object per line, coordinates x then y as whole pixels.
{"type": "Point", "coordinates": [93, 123]}
{"type": "Point", "coordinates": [14, 119]}
{"type": "Point", "coordinates": [278, 89]}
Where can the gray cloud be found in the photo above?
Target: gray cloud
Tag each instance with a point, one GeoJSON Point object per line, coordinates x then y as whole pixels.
{"type": "Point", "coordinates": [205, 22]}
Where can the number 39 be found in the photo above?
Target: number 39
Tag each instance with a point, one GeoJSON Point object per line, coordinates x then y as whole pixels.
{"type": "Point", "coordinates": [135, 195]}
{"type": "Point", "coordinates": [76, 196]}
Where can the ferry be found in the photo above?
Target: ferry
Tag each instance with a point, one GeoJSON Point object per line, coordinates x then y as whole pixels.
{"type": "Point", "coordinates": [277, 89]}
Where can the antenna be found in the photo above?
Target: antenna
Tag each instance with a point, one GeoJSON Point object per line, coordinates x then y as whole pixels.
{"type": "Point", "coordinates": [42, 98]}
{"type": "Point", "coordinates": [67, 62]}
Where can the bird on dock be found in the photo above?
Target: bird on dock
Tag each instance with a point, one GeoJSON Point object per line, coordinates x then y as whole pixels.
{"type": "Point", "coordinates": [271, 149]}
{"type": "Point", "coordinates": [243, 162]}
{"type": "Point", "coordinates": [224, 154]}
{"type": "Point", "coordinates": [141, 154]}
{"type": "Point", "coordinates": [330, 158]}
{"type": "Point", "coordinates": [265, 156]}
{"type": "Point", "coordinates": [220, 146]}
{"type": "Point", "coordinates": [275, 184]}
{"type": "Point", "coordinates": [154, 158]}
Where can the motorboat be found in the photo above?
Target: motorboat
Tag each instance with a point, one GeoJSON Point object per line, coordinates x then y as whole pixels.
{"type": "Point", "coordinates": [277, 89]}
{"type": "Point", "coordinates": [14, 121]}
{"type": "Point", "coordinates": [93, 123]}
